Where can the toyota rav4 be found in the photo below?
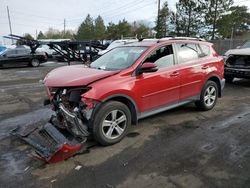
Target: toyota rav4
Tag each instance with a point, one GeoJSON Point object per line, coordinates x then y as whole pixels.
{"type": "Point", "coordinates": [129, 83]}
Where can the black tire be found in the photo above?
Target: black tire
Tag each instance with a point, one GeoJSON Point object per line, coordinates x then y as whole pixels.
{"type": "Point", "coordinates": [202, 104]}
{"type": "Point", "coordinates": [104, 113]}
{"type": "Point", "coordinates": [229, 79]}
{"type": "Point", "coordinates": [35, 62]}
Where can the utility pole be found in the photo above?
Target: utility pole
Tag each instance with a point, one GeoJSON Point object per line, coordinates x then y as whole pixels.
{"type": "Point", "coordinates": [64, 25]}
{"type": "Point", "coordinates": [8, 12]}
{"type": "Point", "coordinates": [158, 16]}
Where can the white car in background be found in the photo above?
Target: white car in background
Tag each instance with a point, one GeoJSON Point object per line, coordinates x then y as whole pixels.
{"type": "Point", "coordinates": [115, 44]}
{"type": "Point", "coordinates": [45, 49]}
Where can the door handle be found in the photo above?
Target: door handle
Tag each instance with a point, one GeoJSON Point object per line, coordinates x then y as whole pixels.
{"type": "Point", "coordinates": [205, 67]}
{"type": "Point", "coordinates": [174, 74]}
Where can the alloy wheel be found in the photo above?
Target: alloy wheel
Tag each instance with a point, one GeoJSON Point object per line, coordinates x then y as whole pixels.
{"type": "Point", "coordinates": [114, 124]}
{"type": "Point", "coordinates": [210, 96]}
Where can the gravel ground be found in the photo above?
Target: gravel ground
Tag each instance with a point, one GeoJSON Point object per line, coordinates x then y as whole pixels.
{"type": "Point", "coordinates": [182, 147]}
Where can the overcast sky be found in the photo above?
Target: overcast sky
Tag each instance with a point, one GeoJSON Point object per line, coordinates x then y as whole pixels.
{"type": "Point", "coordinates": [27, 16]}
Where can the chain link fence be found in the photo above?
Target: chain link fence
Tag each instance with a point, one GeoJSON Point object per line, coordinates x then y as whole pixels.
{"type": "Point", "coordinates": [221, 46]}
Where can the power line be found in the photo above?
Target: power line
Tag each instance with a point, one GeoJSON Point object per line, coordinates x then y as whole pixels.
{"type": "Point", "coordinates": [129, 5]}
{"type": "Point", "coordinates": [131, 10]}
{"type": "Point", "coordinates": [109, 12]}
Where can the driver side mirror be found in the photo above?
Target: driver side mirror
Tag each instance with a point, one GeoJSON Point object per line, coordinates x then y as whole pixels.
{"type": "Point", "coordinates": [238, 47]}
{"type": "Point", "coordinates": [147, 67]}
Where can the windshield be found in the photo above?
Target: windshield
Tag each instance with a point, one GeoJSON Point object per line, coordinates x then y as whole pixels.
{"type": "Point", "coordinates": [118, 58]}
{"type": "Point", "coordinates": [246, 45]}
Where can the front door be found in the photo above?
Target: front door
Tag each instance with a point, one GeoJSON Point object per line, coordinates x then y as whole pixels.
{"type": "Point", "coordinates": [160, 88]}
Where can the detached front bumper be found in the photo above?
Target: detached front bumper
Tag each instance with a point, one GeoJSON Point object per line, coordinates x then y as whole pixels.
{"type": "Point", "coordinates": [51, 144]}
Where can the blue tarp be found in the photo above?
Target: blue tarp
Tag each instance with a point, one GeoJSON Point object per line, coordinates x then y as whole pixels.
{"type": "Point", "coordinates": [2, 48]}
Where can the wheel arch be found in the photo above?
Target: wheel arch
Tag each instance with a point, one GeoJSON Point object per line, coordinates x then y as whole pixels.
{"type": "Point", "coordinates": [217, 80]}
{"type": "Point", "coordinates": [128, 101]}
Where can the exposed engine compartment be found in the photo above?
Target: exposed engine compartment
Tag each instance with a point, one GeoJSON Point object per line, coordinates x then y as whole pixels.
{"type": "Point", "coordinates": [67, 131]}
{"type": "Point", "coordinates": [238, 61]}
{"type": "Point", "coordinates": [70, 110]}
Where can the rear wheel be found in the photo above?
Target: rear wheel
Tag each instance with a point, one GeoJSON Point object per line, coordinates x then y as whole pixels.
{"type": "Point", "coordinates": [35, 63]}
{"type": "Point", "coordinates": [111, 123]}
{"type": "Point", "coordinates": [208, 97]}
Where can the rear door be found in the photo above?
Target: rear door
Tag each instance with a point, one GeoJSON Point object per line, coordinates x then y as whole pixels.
{"type": "Point", "coordinates": [160, 88]}
{"type": "Point", "coordinates": [190, 69]}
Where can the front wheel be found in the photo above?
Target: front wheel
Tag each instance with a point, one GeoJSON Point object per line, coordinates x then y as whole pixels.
{"type": "Point", "coordinates": [111, 123]}
{"type": "Point", "coordinates": [208, 97]}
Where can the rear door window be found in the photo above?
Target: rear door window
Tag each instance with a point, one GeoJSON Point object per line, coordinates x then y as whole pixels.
{"type": "Point", "coordinates": [205, 50]}
{"type": "Point", "coordinates": [187, 52]}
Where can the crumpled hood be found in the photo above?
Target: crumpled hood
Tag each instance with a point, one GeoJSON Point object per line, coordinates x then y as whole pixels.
{"type": "Point", "coordinates": [243, 51]}
{"type": "Point", "coordinates": [75, 75]}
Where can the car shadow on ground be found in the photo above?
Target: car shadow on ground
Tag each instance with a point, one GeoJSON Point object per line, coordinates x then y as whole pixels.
{"type": "Point", "coordinates": [240, 82]}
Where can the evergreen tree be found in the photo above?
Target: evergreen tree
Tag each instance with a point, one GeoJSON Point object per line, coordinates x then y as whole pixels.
{"type": "Point", "coordinates": [213, 10]}
{"type": "Point", "coordinates": [86, 29]}
{"type": "Point", "coordinates": [100, 28]}
{"type": "Point", "coordinates": [161, 23]}
{"type": "Point", "coordinates": [112, 31]}
{"type": "Point", "coordinates": [236, 22]}
{"type": "Point", "coordinates": [188, 17]}
{"type": "Point", "coordinates": [41, 35]}
{"type": "Point", "coordinates": [124, 29]}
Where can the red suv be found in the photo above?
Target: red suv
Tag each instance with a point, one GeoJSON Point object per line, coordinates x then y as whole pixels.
{"type": "Point", "coordinates": [131, 82]}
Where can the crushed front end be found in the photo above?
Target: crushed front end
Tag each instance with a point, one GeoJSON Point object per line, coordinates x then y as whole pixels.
{"type": "Point", "coordinates": [237, 66]}
{"type": "Point", "coordinates": [68, 129]}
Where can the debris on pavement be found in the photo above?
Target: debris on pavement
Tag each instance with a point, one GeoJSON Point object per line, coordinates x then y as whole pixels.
{"type": "Point", "coordinates": [78, 167]}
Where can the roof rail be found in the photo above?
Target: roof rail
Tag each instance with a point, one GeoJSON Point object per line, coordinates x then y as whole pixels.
{"type": "Point", "coordinates": [181, 38]}
{"type": "Point", "coordinates": [171, 38]}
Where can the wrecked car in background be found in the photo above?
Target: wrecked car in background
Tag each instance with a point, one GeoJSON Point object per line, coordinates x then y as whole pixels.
{"type": "Point", "coordinates": [124, 85]}
{"type": "Point", "coordinates": [237, 62]}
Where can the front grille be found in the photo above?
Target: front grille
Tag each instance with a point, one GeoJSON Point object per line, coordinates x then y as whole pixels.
{"type": "Point", "coordinates": [49, 141]}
